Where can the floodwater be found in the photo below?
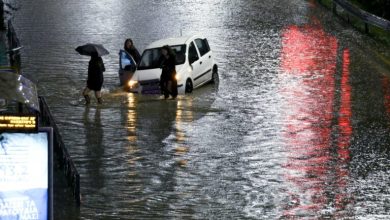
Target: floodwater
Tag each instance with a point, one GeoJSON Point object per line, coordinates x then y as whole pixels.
{"type": "Point", "coordinates": [298, 126]}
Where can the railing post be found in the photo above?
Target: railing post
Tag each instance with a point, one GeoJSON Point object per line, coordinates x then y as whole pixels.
{"type": "Point", "coordinates": [2, 25]}
{"type": "Point", "coordinates": [64, 160]}
{"type": "Point", "coordinates": [366, 28]}
{"type": "Point", "coordinates": [76, 192]}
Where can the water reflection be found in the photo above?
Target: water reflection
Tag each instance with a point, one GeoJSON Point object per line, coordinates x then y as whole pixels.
{"type": "Point", "coordinates": [343, 198]}
{"type": "Point", "coordinates": [131, 118]}
{"type": "Point", "coordinates": [318, 149]}
{"type": "Point", "coordinates": [149, 121]}
{"type": "Point", "coordinates": [386, 94]}
{"type": "Point", "coordinates": [196, 158]}
{"type": "Point", "coordinates": [158, 149]}
{"type": "Point", "coordinates": [94, 147]}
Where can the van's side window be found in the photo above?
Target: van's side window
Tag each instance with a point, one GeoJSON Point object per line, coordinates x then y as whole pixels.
{"type": "Point", "coordinates": [192, 53]}
{"type": "Point", "coordinates": [203, 46]}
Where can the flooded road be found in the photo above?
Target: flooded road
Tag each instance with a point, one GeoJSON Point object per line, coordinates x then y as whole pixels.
{"type": "Point", "coordinates": [298, 126]}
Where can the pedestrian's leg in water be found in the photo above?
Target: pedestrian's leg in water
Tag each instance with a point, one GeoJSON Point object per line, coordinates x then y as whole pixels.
{"type": "Point", "coordinates": [174, 89]}
{"type": "Point", "coordinates": [86, 96]}
{"type": "Point", "coordinates": [98, 96]}
{"type": "Point", "coordinates": [165, 89]}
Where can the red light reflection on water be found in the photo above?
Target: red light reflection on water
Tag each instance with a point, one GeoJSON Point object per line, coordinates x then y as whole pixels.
{"type": "Point", "coordinates": [309, 58]}
{"type": "Point", "coordinates": [342, 198]}
{"type": "Point", "coordinates": [345, 113]}
{"type": "Point", "coordinates": [386, 93]}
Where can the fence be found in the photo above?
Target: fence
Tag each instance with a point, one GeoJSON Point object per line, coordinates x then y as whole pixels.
{"type": "Point", "coordinates": [367, 18]}
{"type": "Point", "coordinates": [7, 7]}
{"type": "Point", "coordinates": [14, 47]}
{"type": "Point", "coordinates": [65, 161]}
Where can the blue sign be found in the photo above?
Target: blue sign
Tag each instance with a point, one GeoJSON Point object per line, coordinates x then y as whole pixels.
{"type": "Point", "coordinates": [26, 175]}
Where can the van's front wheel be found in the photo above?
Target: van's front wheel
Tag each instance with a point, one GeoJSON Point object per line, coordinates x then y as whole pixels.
{"type": "Point", "coordinates": [189, 87]}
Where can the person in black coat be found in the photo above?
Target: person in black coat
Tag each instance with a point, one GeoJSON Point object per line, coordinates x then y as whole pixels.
{"type": "Point", "coordinates": [130, 49]}
{"type": "Point", "coordinates": [168, 82]}
{"type": "Point", "coordinates": [95, 78]}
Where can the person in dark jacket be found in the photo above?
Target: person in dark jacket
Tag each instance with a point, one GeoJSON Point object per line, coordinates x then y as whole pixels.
{"type": "Point", "coordinates": [168, 82]}
{"type": "Point", "coordinates": [130, 49]}
{"type": "Point", "coordinates": [95, 78]}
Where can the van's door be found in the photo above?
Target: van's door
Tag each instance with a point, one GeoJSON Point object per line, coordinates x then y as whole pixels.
{"type": "Point", "coordinates": [205, 59]}
{"type": "Point", "coordinates": [127, 67]}
{"type": "Point", "coordinates": [193, 58]}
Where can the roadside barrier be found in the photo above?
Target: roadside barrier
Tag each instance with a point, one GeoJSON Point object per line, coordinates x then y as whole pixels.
{"type": "Point", "coordinates": [7, 7]}
{"type": "Point", "coordinates": [367, 18]}
{"type": "Point", "coordinates": [64, 159]}
{"type": "Point", "coordinates": [14, 46]}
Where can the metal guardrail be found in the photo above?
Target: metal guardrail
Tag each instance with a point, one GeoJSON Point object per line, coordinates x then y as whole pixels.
{"type": "Point", "coordinates": [13, 46]}
{"type": "Point", "coordinates": [7, 8]}
{"type": "Point", "coordinates": [367, 18]}
{"type": "Point", "coordinates": [65, 161]}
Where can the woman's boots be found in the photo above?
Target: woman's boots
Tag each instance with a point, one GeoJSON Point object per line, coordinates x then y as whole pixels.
{"type": "Point", "coordinates": [87, 99]}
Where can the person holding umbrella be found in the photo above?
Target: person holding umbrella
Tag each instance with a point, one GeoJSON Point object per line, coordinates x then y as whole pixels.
{"type": "Point", "coordinates": [95, 70]}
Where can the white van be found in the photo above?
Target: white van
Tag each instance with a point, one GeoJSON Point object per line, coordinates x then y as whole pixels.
{"type": "Point", "coordinates": [195, 65]}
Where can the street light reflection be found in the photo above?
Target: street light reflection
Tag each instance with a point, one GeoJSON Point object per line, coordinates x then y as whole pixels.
{"type": "Point", "coordinates": [131, 122]}
{"type": "Point", "coordinates": [183, 115]}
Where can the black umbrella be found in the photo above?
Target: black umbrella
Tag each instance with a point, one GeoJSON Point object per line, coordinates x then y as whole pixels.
{"type": "Point", "coordinates": [89, 49]}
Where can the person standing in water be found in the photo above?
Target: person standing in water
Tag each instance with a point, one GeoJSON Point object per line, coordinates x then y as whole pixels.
{"type": "Point", "coordinates": [168, 82]}
{"type": "Point", "coordinates": [130, 49]}
{"type": "Point", "coordinates": [95, 78]}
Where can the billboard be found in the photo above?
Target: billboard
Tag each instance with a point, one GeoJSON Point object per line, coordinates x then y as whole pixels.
{"type": "Point", "coordinates": [26, 185]}
{"type": "Point", "coordinates": [18, 122]}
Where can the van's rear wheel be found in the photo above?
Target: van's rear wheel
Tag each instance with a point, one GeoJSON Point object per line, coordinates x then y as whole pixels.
{"type": "Point", "coordinates": [189, 86]}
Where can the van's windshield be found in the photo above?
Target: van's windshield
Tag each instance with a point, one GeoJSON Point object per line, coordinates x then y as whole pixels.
{"type": "Point", "coordinates": [151, 57]}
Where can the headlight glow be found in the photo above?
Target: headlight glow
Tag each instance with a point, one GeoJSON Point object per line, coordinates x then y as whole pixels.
{"type": "Point", "coordinates": [132, 84]}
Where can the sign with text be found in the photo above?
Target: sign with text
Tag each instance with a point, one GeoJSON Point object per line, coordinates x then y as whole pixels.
{"type": "Point", "coordinates": [18, 123]}
{"type": "Point", "coordinates": [26, 175]}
